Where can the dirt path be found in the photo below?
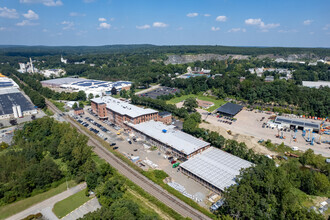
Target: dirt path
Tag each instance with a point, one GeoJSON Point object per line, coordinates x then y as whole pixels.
{"type": "Point", "coordinates": [251, 142]}
{"type": "Point", "coordinates": [150, 205]}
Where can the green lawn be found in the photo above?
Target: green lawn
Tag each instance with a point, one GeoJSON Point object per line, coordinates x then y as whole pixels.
{"type": "Point", "coordinates": [59, 105]}
{"type": "Point", "coordinates": [217, 102]}
{"type": "Point", "coordinates": [16, 207]}
{"type": "Point", "coordinates": [64, 207]}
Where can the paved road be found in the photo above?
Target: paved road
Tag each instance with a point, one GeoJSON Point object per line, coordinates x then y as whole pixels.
{"type": "Point", "coordinates": [45, 207]}
{"type": "Point", "coordinates": [142, 181]}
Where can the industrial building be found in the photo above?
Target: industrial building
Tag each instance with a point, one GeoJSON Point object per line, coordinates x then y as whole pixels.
{"type": "Point", "coordinates": [214, 168]}
{"type": "Point", "coordinates": [316, 84]}
{"type": "Point", "coordinates": [168, 139]}
{"type": "Point", "coordinates": [118, 111]}
{"type": "Point", "coordinates": [165, 117]}
{"type": "Point", "coordinates": [297, 124]}
{"type": "Point", "coordinates": [12, 102]}
{"type": "Point", "coordinates": [89, 86]}
{"type": "Point", "coordinates": [229, 109]}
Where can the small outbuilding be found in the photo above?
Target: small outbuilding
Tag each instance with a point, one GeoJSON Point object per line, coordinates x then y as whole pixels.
{"type": "Point", "coordinates": [229, 109]}
{"type": "Point", "coordinates": [78, 111]}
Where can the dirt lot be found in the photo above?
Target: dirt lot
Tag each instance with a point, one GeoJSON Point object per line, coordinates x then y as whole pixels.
{"type": "Point", "coordinates": [248, 129]}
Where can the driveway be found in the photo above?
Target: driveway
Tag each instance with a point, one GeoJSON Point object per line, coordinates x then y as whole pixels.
{"type": "Point", "coordinates": [45, 207]}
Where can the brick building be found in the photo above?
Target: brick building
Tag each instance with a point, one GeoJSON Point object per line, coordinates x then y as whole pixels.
{"type": "Point", "coordinates": [118, 111]}
{"type": "Point", "coordinates": [165, 117]}
{"type": "Point", "coordinates": [78, 111]}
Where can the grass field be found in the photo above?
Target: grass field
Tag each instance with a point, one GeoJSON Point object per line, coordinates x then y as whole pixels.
{"type": "Point", "coordinates": [16, 207]}
{"type": "Point", "coordinates": [217, 102]}
{"type": "Point", "coordinates": [64, 207]}
{"type": "Point", "coordinates": [59, 105]}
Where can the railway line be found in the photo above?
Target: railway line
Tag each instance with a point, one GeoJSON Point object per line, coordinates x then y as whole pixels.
{"type": "Point", "coordinates": [136, 177]}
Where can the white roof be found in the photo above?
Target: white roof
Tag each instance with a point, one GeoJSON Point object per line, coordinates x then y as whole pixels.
{"type": "Point", "coordinates": [178, 140]}
{"type": "Point", "coordinates": [317, 84]}
{"type": "Point", "coordinates": [216, 167]}
{"type": "Point", "coordinates": [122, 107]}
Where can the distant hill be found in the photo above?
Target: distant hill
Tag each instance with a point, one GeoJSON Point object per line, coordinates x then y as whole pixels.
{"type": "Point", "coordinates": [26, 51]}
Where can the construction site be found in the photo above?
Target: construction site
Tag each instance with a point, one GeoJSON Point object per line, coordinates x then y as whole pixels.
{"type": "Point", "coordinates": [254, 127]}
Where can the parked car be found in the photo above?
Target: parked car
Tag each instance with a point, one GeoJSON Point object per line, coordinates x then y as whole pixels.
{"type": "Point", "coordinates": [113, 144]}
{"type": "Point", "coordinates": [129, 141]}
{"type": "Point", "coordinates": [173, 161]}
{"type": "Point", "coordinates": [135, 149]}
{"type": "Point", "coordinates": [115, 148]}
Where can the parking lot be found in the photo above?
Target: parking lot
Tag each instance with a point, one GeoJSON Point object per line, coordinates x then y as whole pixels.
{"type": "Point", "coordinates": [162, 90]}
{"type": "Point", "coordinates": [145, 153]}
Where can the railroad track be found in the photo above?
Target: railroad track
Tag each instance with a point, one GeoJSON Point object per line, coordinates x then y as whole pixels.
{"type": "Point", "coordinates": [173, 202]}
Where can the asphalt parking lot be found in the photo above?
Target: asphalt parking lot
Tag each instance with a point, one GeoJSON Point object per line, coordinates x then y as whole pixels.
{"type": "Point", "coordinates": [162, 90]}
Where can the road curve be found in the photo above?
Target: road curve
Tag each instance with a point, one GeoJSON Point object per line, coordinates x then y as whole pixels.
{"type": "Point", "coordinates": [136, 177]}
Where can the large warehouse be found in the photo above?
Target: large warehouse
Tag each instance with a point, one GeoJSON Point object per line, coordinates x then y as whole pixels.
{"type": "Point", "coordinates": [168, 139]}
{"type": "Point", "coordinates": [118, 111]}
{"type": "Point", "coordinates": [89, 86]}
{"type": "Point", "coordinates": [214, 168]}
{"type": "Point", "coordinates": [229, 109]}
{"type": "Point", "coordinates": [12, 102]}
{"type": "Point", "coordinates": [298, 124]}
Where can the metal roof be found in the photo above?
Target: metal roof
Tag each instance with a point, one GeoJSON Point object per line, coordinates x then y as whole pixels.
{"type": "Point", "coordinates": [230, 108]}
{"type": "Point", "coordinates": [176, 139]}
{"type": "Point", "coordinates": [216, 167]}
{"type": "Point", "coordinates": [60, 81]}
{"type": "Point", "coordinates": [123, 108]}
{"type": "Point", "coordinates": [315, 84]}
{"type": "Point", "coordinates": [297, 122]}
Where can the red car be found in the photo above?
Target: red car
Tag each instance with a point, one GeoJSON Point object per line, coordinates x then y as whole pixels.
{"type": "Point", "coordinates": [173, 162]}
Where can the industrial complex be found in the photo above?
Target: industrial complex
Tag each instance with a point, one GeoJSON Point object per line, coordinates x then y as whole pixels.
{"type": "Point", "coordinates": [13, 104]}
{"type": "Point", "coordinates": [89, 86]}
{"type": "Point", "coordinates": [209, 166]}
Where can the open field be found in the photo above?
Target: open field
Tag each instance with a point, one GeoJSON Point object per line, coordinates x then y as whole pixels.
{"type": "Point", "coordinates": [217, 102]}
{"type": "Point", "coordinates": [64, 207]}
{"type": "Point", "coordinates": [11, 209]}
{"type": "Point", "coordinates": [248, 129]}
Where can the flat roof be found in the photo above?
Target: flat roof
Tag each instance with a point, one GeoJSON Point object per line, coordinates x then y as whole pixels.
{"type": "Point", "coordinates": [315, 84]}
{"type": "Point", "coordinates": [60, 81]}
{"type": "Point", "coordinates": [122, 107]}
{"type": "Point", "coordinates": [164, 114]}
{"type": "Point", "coordinates": [297, 122]}
{"type": "Point", "coordinates": [176, 139]}
{"type": "Point", "coordinates": [230, 108]}
{"type": "Point", "coordinates": [216, 167]}
{"type": "Point", "coordinates": [8, 100]}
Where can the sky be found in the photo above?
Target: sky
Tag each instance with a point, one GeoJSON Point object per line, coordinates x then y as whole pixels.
{"type": "Point", "coordinates": [287, 23]}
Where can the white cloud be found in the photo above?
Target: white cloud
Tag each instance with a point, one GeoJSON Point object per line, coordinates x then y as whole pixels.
{"type": "Point", "coordinates": [193, 14]}
{"type": "Point", "coordinates": [326, 27]}
{"type": "Point", "coordinates": [259, 23]}
{"type": "Point", "coordinates": [31, 15]}
{"type": "Point", "coordinates": [8, 13]}
{"type": "Point", "coordinates": [76, 14]}
{"type": "Point", "coordinates": [307, 22]}
{"type": "Point", "coordinates": [142, 27]}
{"type": "Point", "coordinates": [104, 26]}
{"type": "Point", "coordinates": [237, 30]}
{"type": "Point", "coordinates": [2, 28]}
{"type": "Point", "coordinates": [45, 30]}
{"type": "Point", "coordinates": [221, 18]}
{"type": "Point", "coordinates": [207, 15]}
{"type": "Point", "coordinates": [44, 2]}
{"type": "Point", "coordinates": [288, 31]}
{"type": "Point", "coordinates": [68, 25]}
{"type": "Point", "coordinates": [26, 23]}
{"type": "Point", "coordinates": [159, 24]}
{"type": "Point", "coordinates": [215, 28]}
{"type": "Point", "coordinates": [102, 19]}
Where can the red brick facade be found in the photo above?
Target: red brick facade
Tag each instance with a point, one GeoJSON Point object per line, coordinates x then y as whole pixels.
{"type": "Point", "coordinates": [166, 120]}
{"type": "Point", "coordinates": [119, 119]}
